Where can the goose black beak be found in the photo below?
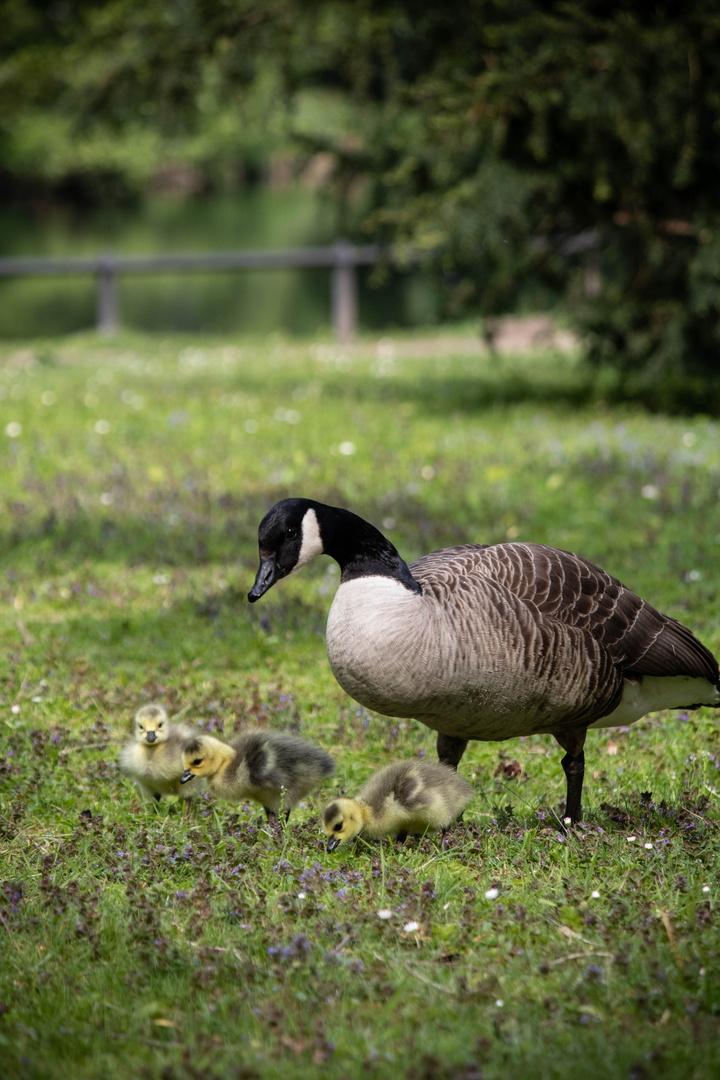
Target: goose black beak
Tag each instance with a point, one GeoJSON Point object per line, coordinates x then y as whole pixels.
{"type": "Point", "coordinates": [266, 577]}
{"type": "Point", "coordinates": [187, 775]}
{"type": "Point", "coordinates": [332, 843]}
{"type": "Point", "coordinates": [150, 737]}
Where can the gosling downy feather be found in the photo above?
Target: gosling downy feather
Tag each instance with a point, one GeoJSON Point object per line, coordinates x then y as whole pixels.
{"type": "Point", "coordinates": [406, 797]}
{"type": "Point", "coordinates": [488, 642]}
{"type": "Point", "coordinates": [270, 767]}
{"type": "Point", "coordinates": [153, 760]}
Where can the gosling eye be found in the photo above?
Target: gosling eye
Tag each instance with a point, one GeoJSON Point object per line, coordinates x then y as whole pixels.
{"type": "Point", "coordinates": [338, 827]}
{"type": "Point", "coordinates": [197, 761]}
{"type": "Point", "coordinates": [141, 727]}
{"type": "Point", "coordinates": [159, 725]}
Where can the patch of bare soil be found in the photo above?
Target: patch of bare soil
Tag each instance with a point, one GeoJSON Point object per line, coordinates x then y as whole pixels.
{"type": "Point", "coordinates": [505, 334]}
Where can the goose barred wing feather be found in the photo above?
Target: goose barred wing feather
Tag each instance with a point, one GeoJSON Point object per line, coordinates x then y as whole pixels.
{"type": "Point", "coordinates": [557, 584]}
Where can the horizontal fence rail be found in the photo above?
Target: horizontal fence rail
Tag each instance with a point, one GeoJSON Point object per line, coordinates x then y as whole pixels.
{"type": "Point", "coordinates": [341, 258]}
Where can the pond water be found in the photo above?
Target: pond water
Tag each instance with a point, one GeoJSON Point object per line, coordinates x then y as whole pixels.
{"type": "Point", "coordinates": [255, 302]}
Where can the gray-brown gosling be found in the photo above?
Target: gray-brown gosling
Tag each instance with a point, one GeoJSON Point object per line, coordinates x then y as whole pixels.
{"type": "Point", "coordinates": [406, 797]}
{"type": "Point", "coordinates": [269, 767]}
{"type": "Point", "coordinates": [153, 760]}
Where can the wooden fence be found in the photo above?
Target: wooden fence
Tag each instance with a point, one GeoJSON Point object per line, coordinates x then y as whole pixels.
{"type": "Point", "coordinates": [341, 258]}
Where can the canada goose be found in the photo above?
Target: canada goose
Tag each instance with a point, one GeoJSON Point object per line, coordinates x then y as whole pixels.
{"type": "Point", "coordinates": [406, 797]}
{"type": "Point", "coordinates": [153, 760]}
{"type": "Point", "coordinates": [488, 642]}
{"type": "Point", "coordinates": [269, 767]}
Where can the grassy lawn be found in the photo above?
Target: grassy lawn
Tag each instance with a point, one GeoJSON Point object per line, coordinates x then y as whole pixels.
{"type": "Point", "coordinates": [136, 943]}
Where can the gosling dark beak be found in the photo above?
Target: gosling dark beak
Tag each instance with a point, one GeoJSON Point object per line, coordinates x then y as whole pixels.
{"type": "Point", "coordinates": [150, 737]}
{"type": "Point", "coordinates": [187, 775]}
{"type": "Point", "coordinates": [332, 843]}
{"type": "Point", "coordinates": [266, 577]}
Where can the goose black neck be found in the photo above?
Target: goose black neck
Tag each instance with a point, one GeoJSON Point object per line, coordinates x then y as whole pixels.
{"type": "Point", "coordinates": [360, 549]}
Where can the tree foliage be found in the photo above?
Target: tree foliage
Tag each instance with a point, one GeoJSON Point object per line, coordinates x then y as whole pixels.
{"type": "Point", "coordinates": [490, 134]}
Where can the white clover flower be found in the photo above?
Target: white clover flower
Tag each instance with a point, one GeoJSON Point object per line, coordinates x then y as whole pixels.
{"type": "Point", "coordinates": [631, 839]}
{"type": "Point", "coordinates": [595, 895]}
{"type": "Point", "coordinates": [13, 430]}
{"type": "Point", "coordinates": [347, 448]}
{"type": "Point", "coordinates": [102, 427]}
{"type": "Point", "coordinates": [411, 927]}
{"type": "Point", "coordinates": [492, 894]}
{"type": "Point", "coordinates": [384, 913]}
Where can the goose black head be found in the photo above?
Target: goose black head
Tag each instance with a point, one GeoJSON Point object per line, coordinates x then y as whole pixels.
{"type": "Point", "coordinates": [288, 537]}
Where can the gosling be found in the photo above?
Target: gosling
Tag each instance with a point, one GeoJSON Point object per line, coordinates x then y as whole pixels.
{"type": "Point", "coordinates": [270, 767]}
{"type": "Point", "coordinates": [153, 760]}
{"type": "Point", "coordinates": [407, 797]}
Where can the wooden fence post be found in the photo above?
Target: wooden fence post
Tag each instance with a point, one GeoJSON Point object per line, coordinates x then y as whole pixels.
{"type": "Point", "coordinates": [344, 292]}
{"type": "Point", "coordinates": [108, 307]}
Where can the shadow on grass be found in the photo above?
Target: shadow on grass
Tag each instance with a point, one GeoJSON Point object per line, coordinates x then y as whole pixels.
{"type": "Point", "coordinates": [553, 382]}
{"type": "Point", "coordinates": [58, 536]}
{"type": "Point", "coordinates": [548, 379]}
{"type": "Point", "coordinates": [205, 533]}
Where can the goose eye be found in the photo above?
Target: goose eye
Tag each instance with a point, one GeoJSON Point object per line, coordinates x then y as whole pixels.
{"type": "Point", "coordinates": [338, 827]}
{"type": "Point", "coordinates": [291, 533]}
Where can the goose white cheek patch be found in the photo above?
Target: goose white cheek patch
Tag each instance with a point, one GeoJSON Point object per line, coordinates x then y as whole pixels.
{"type": "Point", "coordinates": [311, 544]}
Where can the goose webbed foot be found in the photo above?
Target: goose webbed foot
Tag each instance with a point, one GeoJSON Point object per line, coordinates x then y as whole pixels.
{"type": "Point", "coordinates": [450, 750]}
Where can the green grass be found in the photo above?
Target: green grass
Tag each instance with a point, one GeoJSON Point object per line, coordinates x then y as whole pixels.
{"type": "Point", "coordinates": [139, 944]}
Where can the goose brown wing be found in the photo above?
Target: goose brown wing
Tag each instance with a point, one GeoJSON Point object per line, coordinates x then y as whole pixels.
{"type": "Point", "coordinates": [563, 586]}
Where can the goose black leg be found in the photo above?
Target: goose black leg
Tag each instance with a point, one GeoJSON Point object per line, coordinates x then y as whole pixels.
{"type": "Point", "coordinates": [574, 767]}
{"type": "Point", "coordinates": [450, 749]}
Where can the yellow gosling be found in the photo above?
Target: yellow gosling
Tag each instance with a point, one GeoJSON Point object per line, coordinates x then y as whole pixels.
{"type": "Point", "coordinates": [153, 760]}
{"type": "Point", "coordinates": [269, 767]}
{"type": "Point", "coordinates": [406, 797]}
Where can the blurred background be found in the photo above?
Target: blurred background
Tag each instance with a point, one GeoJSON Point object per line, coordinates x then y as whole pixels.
{"type": "Point", "coordinates": [515, 156]}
